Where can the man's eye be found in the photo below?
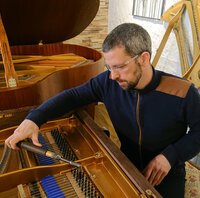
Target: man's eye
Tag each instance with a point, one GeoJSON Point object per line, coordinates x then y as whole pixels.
{"type": "Point", "coordinates": [118, 66]}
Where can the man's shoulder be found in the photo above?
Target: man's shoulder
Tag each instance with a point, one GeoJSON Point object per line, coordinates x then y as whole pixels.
{"type": "Point", "coordinates": [173, 85]}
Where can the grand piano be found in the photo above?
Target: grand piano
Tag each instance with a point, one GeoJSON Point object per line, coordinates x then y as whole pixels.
{"type": "Point", "coordinates": [34, 30]}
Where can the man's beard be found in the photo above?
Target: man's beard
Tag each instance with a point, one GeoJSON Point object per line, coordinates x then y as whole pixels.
{"type": "Point", "coordinates": [133, 84]}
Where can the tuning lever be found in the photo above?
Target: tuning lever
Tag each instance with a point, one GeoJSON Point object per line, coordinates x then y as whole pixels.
{"type": "Point", "coordinates": [36, 149]}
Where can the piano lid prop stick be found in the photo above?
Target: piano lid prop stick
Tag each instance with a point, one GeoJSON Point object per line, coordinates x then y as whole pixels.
{"type": "Point", "coordinates": [10, 73]}
{"type": "Point", "coordinates": [36, 149]}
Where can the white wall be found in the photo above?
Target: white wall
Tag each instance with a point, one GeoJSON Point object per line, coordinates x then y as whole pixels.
{"type": "Point", "coordinates": [120, 11]}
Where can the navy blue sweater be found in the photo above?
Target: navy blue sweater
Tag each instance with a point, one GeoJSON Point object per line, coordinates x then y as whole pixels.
{"type": "Point", "coordinates": [148, 122]}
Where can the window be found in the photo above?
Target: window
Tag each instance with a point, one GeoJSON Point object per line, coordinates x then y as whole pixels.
{"type": "Point", "coordinates": [148, 8]}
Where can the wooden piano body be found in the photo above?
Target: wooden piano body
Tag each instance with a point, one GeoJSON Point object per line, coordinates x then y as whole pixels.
{"type": "Point", "coordinates": [16, 102]}
{"type": "Point", "coordinates": [35, 31]}
{"type": "Point", "coordinates": [105, 171]}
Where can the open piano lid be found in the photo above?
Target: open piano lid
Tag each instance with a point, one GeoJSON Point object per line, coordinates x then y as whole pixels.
{"type": "Point", "coordinates": [30, 22]}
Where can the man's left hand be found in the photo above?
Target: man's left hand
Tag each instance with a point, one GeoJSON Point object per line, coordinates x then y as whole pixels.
{"type": "Point", "coordinates": [157, 169]}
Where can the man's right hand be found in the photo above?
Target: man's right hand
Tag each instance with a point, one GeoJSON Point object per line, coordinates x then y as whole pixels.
{"type": "Point", "coordinates": [27, 129]}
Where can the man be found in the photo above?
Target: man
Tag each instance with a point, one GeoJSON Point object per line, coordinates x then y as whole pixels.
{"type": "Point", "coordinates": [150, 110]}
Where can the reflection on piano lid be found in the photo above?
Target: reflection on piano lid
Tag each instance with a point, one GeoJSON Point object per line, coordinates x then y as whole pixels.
{"type": "Point", "coordinates": [104, 171]}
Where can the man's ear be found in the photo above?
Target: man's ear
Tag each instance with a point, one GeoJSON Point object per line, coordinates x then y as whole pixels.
{"type": "Point", "coordinates": [144, 58]}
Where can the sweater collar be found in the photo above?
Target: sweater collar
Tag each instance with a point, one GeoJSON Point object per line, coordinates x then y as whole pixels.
{"type": "Point", "coordinates": [153, 83]}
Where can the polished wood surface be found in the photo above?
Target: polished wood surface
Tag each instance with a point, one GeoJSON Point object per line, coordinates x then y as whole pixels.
{"type": "Point", "coordinates": [48, 21]}
{"type": "Point", "coordinates": [30, 94]}
{"type": "Point", "coordinates": [30, 24]}
{"type": "Point", "coordinates": [10, 74]}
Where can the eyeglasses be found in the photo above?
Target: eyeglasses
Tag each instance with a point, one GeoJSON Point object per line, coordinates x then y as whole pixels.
{"type": "Point", "coordinates": [120, 67]}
